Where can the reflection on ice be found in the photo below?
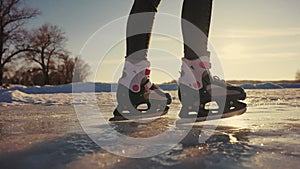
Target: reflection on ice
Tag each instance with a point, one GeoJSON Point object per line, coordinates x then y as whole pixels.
{"type": "Point", "coordinates": [49, 135]}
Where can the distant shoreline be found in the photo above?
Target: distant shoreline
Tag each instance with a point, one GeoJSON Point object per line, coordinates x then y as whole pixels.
{"type": "Point", "coordinates": [240, 82]}
{"type": "Point", "coordinates": [6, 94]}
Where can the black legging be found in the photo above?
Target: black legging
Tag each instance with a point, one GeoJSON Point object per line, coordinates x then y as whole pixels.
{"type": "Point", "coordinates": [197, 12]}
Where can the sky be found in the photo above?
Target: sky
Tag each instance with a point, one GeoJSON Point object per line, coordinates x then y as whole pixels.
{"type": "Point", "coordinates": [249, 39]}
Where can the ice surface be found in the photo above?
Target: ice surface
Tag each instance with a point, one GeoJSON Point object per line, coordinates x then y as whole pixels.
{"type": "Point", "coordinates": [39, 128]}
{"type": "Point", "coordinates": [42, 131]}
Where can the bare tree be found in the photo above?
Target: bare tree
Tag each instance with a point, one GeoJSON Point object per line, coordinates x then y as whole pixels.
{"type": "Point", "coordinates": [71, 70]}
{"type": "Point", "coordinates": [48, 43]}
{"type": "Point", "coordinates": [297, 77]}
{"type": "Point", "coordinates": [30, 73]}
{"type": "Point", "coordinates": [67, 68]}
{"type": "Point", "coordinates": [81, 70]}
{"type": "Point", "coordinates": [8, 72]}
{"type": "Point", "coordinates": [13, 15]}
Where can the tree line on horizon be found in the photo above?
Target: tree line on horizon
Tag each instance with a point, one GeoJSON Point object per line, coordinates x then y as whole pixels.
{"type": "Point", "coordinates": [37, 56]}
{"type": "Point", "coordinates": [297, 77]}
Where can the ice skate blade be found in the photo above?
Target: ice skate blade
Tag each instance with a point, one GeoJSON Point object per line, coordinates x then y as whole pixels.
{"type": "Point", "coordinates": [213, 116]}
{"type": "Point", "coordinates": [140, 116]}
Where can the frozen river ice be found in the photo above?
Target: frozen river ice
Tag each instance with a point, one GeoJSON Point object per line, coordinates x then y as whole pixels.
{"type": "Point", "coordinates": [43, 131]}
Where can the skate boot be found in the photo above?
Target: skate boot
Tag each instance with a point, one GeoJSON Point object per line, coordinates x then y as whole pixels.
{"type": "Point", "coordinates": [137, 97]}
{"type": "Point", "coordinates": [205, 97]}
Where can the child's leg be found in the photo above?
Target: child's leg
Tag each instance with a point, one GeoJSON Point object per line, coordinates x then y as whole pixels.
{"type": "Point", "coordinates": [139, 27]}
{"type": "Point", "coordinates": [198, 13]}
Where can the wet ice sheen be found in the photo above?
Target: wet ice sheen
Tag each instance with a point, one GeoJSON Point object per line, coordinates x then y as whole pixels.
{"type": "Point", "coordinates": [44, 133]}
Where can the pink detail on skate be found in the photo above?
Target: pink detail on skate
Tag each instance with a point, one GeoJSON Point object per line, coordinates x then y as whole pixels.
{"type": "Point", "coordinates": [147, 72]}
{"type": "Point", "coordinates": [135, 88]}
{"type": "Point", "coordinates": [205, 65]}
{"type": "Point", "coordinates": [197, 84]}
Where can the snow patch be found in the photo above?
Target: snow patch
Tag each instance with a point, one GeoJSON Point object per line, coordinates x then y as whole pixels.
{"type": "Point", "coordinates": [16, 96]}
{"type": "Point", "coordinates": [63, 94]}
{"type": "Point", "coordinates": [270, 86]}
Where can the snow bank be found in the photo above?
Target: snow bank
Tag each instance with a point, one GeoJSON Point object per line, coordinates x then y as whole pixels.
{"type": "Point", "coordinates": [16, 97]}
{"type": "Point", "coordinates": [105, 87]}
{"type": "Point", "coordinates": [270, 86]}
{"type": "Point", "coordinates": [246, 86]}
{"type": "Point", "coordinates": [262, 86]}
{"type": "Point", "coordinates": [45, 95]}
